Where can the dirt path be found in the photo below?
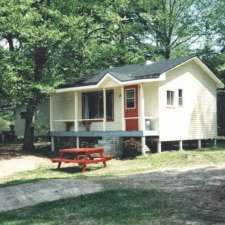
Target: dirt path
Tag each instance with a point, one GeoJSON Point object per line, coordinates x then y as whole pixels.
{"type": "Point", "coordinates": [19, 164]}
{"type": "Point", "coordinates": [203, 188]}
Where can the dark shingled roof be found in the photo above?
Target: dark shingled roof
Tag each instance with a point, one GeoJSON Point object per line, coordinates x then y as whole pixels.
{"type": "Point", "coordinates": [132, 72]}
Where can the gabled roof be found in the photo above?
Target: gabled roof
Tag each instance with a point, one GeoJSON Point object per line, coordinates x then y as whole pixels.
{"type": "Point", "coordinates": [139, 73]}
{"type": "Point", "coordinates": [132, 72]}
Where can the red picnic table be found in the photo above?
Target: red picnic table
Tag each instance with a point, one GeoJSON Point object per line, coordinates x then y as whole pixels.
{"type": "Point", "coordinates": [82, 156]}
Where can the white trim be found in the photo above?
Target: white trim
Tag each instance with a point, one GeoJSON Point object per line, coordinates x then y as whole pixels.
{"type": "Point", "coordinates": [159, 146]}
{"type": "Point", "coordinates": [89, 87]}
{"type": "Point", "coordinates": [218, 82]}
{"type": "Point", "coordinates": [106, 76]}
{"type": "Point", "coordinates": [94, 119]}
{"type": "Point", "coordinates": [52, 144]}
{"type": "Point", "coordinates": [180, 145]}
{"type": "Point", "coordinates": [77, 142]}
{"type": "Point", "coordinates": [122, 108]}
{"type": "Point", "coordinates": [199, 144]}
{"type": "Point", "coordinates": [104, 110]}
{"type": "Point", "coordinates": [72, 120]}
{"type": "Point", "coordinates": [76, 124]}
{"type": "Point", "coordinates": [51, 112]}
{"type": "Point", "coordinates": [142, 108]}
{"type": "Point", "coordinates": [210, 73]}
{"type": "Point", "coordinates": [172, 99]}
{"type": "Point", "coordinates": [147, 80]}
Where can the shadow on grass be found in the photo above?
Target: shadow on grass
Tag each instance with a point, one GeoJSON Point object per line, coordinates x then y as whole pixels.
{"type": "Point", "coordinates": [117, 207]}
{"type": "Point", "coordinates": [74, 172]}
{"type": "Point", "coordinates": [22, 181]}
{"type": "Point", "coordinates": [77, 169]}
{"type": "Point", "coordinates": [13, 150]}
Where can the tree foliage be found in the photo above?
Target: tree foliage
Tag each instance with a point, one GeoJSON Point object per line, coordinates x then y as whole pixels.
{"type": "Point", "coordinates": [44, 43]}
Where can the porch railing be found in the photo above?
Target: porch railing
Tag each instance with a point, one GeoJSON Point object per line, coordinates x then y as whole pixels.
{"type": "Point", "coordinates": [150, 124]}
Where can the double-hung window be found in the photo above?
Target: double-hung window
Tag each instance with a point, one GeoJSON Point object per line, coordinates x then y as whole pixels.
{"type": "Point", "coordinates": [130, 98]}
{"type": "Point", "coordinates": [170, 98]}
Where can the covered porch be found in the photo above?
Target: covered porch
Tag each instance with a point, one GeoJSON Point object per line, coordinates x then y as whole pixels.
{"type": "Point", "coordinates": [111, 110]}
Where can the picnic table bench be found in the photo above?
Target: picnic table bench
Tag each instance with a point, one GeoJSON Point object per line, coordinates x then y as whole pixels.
{"type": "Point", "coordinates": [82, 156]}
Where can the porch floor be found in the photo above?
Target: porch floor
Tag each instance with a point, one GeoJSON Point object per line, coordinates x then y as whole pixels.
{"type": "Point", "coordinates": [104, 133]}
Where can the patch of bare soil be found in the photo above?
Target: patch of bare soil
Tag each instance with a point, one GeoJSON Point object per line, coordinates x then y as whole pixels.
{"type": "Point", "coordinates": [202, 189]}
{"type": "Point", "coordinates": [13, 160]}
{"type": "Point", "coordinates": [8, 151]}
{"type": "Point", "coordinates": [21, 163]}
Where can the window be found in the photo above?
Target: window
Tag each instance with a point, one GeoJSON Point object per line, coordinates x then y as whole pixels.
{"type": "Point", "coordinates": [109, 105]}
{"type": "Point", "coordinates": [170, 97]}
{"type": "Point", "coordinates": [130, 98]}
{"type": "Point", "coordinates": [92, 105]}
{"type": "Point", "coordinates": [180, 97]}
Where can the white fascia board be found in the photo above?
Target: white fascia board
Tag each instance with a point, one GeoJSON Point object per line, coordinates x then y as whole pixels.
{"type": "Point", "coordinates": [218, 82]}
{"type": "Point", "coordinates": [61, 90]}
{"type": "Point", "coordinates": [108, 75]}
{"type": "Point", "coordinates": [132, 82]}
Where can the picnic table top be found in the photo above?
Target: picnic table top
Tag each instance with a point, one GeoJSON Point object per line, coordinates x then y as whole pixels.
{"type": "Point", "coordinates": [83, 150]}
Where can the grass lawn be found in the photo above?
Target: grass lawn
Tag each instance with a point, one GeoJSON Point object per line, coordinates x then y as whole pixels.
{"type": "Point", "coordinates": [165, 160]}
{"type": "Point", "coordinates": [125, 205]}
{"type": "Point", "coordinates": [117, 207]}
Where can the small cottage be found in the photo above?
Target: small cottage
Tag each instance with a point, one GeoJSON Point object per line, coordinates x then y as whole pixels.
{"type": "Point", "coordinates": [170, 100]}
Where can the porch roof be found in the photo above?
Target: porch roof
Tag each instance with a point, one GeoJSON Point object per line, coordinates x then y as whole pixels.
{"type": "Point", "coordinates": [131, 72]}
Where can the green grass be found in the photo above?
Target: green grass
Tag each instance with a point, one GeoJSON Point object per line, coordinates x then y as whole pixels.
{"type": "Point", "coordinates": [122, 206]}
{"type": "Point", "coordinates": [113, 207]}
{"type": "Point", "coordinates": [165, 160]}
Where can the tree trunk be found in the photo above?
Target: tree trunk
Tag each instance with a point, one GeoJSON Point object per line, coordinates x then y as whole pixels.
{"type": "Point", "coordinates": [28, 144]}
{"type": "Point", "coordinates": [39, 61]}
{"type": "Point", "coordinates": [167, 52]}
{"type": "Point", "coordinates": [31, 109]}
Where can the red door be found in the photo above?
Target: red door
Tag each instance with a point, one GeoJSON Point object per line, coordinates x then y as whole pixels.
{"type": "Point", "coordinates": [131, 107]}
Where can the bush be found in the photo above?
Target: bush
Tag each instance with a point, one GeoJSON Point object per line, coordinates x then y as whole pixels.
{"type": "Point", "coordinates": [131, 148]}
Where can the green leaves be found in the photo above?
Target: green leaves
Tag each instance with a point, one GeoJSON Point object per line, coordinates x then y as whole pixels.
{"type": "Point", "coordinates": [81, 37]}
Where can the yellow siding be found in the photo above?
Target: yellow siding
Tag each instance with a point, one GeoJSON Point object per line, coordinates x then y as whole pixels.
{"type": "Point", "coordinates": [63, 106]}
{"type": "Point", "coordinates": [196, 119]}
{"type": "Point", "coordinates": [151, 99]}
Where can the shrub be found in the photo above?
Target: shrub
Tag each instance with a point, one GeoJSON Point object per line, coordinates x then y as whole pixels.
{"type": "Point", "coordinates": [131, 148]}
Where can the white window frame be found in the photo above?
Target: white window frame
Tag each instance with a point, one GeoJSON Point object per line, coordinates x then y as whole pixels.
{"type": "Point", "coordinates": [134, 98]}
{"type": "Point", "coordinates": [171, 95]}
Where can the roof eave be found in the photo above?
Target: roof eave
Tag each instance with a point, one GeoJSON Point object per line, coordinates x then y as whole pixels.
{"type": "Point", "coordinates": [218, 82]}
{"type": "Point", "coordinates": [120, 83]}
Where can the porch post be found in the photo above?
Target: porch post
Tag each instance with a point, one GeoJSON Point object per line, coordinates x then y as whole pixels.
{"type": "Point", "coordinates": [144, 147]}
{"type": "Point", "coordinates": [77, 142]}
{"type": "Point", "coordinates": [76, 125]}
{"type": "Point", "coordinates": [159, 146]}
{"type": "Point", "coordinates": [199, 144]}
{"type": "Point", "coordinates": [52, 144]}
{"type": "Point", "coordinates": [180, 145]}
{"type": "Point", "coordinates": [215, 142]}
{"type": "Point", "coordinates": [104, 110]}
{"type": "Point", "coordinates": [142, 109]}
{"type": "Point", "coordinates": [51, 122]}
{"type": "Point", "coordinates": [122, 108]}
